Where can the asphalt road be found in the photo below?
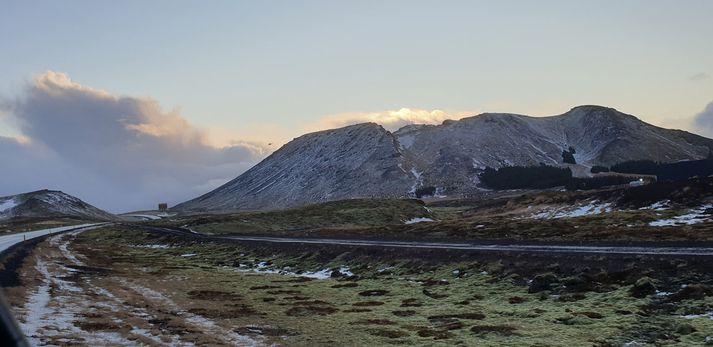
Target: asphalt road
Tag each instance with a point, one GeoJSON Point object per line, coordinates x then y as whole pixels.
{"type": "Point", "coordinates": [8, 241]}
{"type": "Point", "coordinates": [476, 247]}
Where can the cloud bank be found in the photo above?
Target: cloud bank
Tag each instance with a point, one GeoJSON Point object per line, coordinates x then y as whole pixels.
{"type": "Point", "coordinates": [392, 119]}
{"type": "Point", "coordinates": [704, 121]}
{"type": "Point", "coordinates": [117, 152]}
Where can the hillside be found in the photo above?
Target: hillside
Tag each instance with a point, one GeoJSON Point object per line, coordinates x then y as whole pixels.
{"type": "Point", "coordinates": [49, 204]}
{"type": "Point", "coordinates": [365, 160]}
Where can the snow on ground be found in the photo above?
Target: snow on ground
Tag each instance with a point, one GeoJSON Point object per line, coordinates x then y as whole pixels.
{"type": "Point", "coordinates": [418, 220]}
{"type": "Point", "coordinates": [152, 246]}
{"type": "Point", "coordinates": [406, 141]}
{"type": "Point", "coordinates": [56, 304]}
{"type": "Point", "coordinates": [658, 206]}
{"type": "Point", "coordinates": [417, 182]}
{"type": "Point", "coordinates": [708, 315]}
{"type": "Point", "coordinates": [52, 311]}
{"type": "Point", "coordinates": [202, 323]}
{"type": "Point", "coordinates": [36, 307]}
{"type": "Point", "coordinates": [592, 208]}
{"type": "Point", "coordinates": [264, 268]}
{"type": "Point", "coordinates": [7, 204]}
{"type": "Point", "coordinates": [694, 216]}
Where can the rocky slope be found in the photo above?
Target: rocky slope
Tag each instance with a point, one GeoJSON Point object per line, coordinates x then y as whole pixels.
{"type": "Point", "coordinates": [49, 204]}
{"type": "Point", "coordinates": [365, 160]}
{"type": "Point", "coordinates": [356, 161]}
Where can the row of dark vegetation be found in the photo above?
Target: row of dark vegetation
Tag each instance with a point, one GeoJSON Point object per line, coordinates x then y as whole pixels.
{"type": "Point", "coordinates": [599, 168]}
{"type": "Point", "coordinates": [663, 171]}
{"type": "Point", "coordinates": [577, 183]}
{"type": "Point", "coordinates": [541, 177]}
{"type": "Point", "coordinates": [525, 177]}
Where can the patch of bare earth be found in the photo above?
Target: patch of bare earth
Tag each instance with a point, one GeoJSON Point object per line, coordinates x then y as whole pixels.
{"type": "Point", "coordinates": [74, 295]}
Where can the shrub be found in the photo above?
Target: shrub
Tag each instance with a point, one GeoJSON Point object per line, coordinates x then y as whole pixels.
{"type": "Point", "coordinates": [576, 183]}
{"type": "Point", "coordinates": [425, 191]}
{"type": "Point", "coordinates": [520, 177]}
{"type": "Point", "coordinates": [568, 156]}
{"type": "Point", "coordinates": [643, 167]}
{"type": "Point", "coordinates": [599, 168]}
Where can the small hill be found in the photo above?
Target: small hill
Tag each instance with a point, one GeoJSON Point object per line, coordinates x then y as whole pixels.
{"type": "Point", "coordinates": [49, 204]}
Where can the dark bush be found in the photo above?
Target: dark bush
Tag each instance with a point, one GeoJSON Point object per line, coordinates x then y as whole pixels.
{"type": "Point", "coordinates": [684, 170]}
{"type": "Point", "coordinates": [520, 177]}
{"type": "Point", "coordinates": [642, 167]}
{"type": "Point", "coordinates": [425, 191]}
{"type": "Point", "coordinates": [599, 168]}
{"type": "Point", "coordinates": [667, 172]}
{"type": "Point", "coordinates": [576, 183]}
{"type": "Point", "coordinates": [568, 156]}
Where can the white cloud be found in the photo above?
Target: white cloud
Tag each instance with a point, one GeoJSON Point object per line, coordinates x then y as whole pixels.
{"type": "Point", "coordinates": [392, 119]}
{"type": "Point", "coordinates": [704, 121]}
{"type": "Point", "coordinates": [117, 152]}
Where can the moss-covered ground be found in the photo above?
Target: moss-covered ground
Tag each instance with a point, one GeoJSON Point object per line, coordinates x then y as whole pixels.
{"type": "Point", "coordinates": [405, 301]}
{"type": "Point", "coordinates": [340, 215]}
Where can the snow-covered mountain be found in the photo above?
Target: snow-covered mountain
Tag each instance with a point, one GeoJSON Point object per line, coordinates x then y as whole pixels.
{"type": "Point", "coordinates": [365, 160]}
{"type": "Point", "coordinates": [49, 203]}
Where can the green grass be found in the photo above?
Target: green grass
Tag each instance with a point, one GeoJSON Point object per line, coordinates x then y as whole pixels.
{"type": "Point", "coordinates": [345, 214]}
{"type": "Point", "coordinates": [475, 307]}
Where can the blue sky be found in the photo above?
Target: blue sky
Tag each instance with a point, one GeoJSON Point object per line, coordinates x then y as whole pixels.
{"type": "Point", "coordinates": [264, 69]}
{"type": "Point", "coordinates": [258, 72]}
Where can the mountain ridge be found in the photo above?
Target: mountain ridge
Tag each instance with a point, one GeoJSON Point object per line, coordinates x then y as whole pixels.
{"type": "Point", "coordinates": [365, 160]}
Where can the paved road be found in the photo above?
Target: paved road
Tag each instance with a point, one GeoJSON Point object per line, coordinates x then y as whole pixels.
{"type": "Point", "coordinates": [480, 247]}
{"type": "Point", "coordinates": [8, 241]}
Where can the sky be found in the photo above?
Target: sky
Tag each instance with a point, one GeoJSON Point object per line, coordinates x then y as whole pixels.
{"type": "Point", "coordinates": [125, 104]}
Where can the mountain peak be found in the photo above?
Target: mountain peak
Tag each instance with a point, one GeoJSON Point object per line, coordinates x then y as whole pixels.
{"type": "Point", "coordinates": [593, 108]}
{"type": "Point", "coordinates": [47, 203]}
{"type": "Point", "coordinates": [364, 160]}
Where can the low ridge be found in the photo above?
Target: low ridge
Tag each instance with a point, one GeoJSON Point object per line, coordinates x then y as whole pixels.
{"type": "Point", "coordinates": [49, 204]}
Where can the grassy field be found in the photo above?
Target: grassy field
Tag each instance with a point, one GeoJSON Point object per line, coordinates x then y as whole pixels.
{"type": "Point", "coordinates": [340, 215]}
{"type": "Point", "coordinates": [514, 222]}
{"type": "Point", "coordinates": [509, 215]}
{"type": "Point", "coordinates": [382, 299]}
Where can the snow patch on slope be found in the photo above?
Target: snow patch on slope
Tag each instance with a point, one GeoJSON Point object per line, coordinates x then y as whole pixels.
{"type": "Point", "coordinates": [418, 220]}
{"type": "Point", "coordinates": [658, 206]}
{"type": "Point", "coordinates": [592, 208]}
{"type": "Point", "coordinates": [264, 268]}
{"type": "Point", "coordinates": [7, 204]}
{"type": "Point", "coordinates": [695, 216]}
{"type": "Point", "coordinates": [418, 182]}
